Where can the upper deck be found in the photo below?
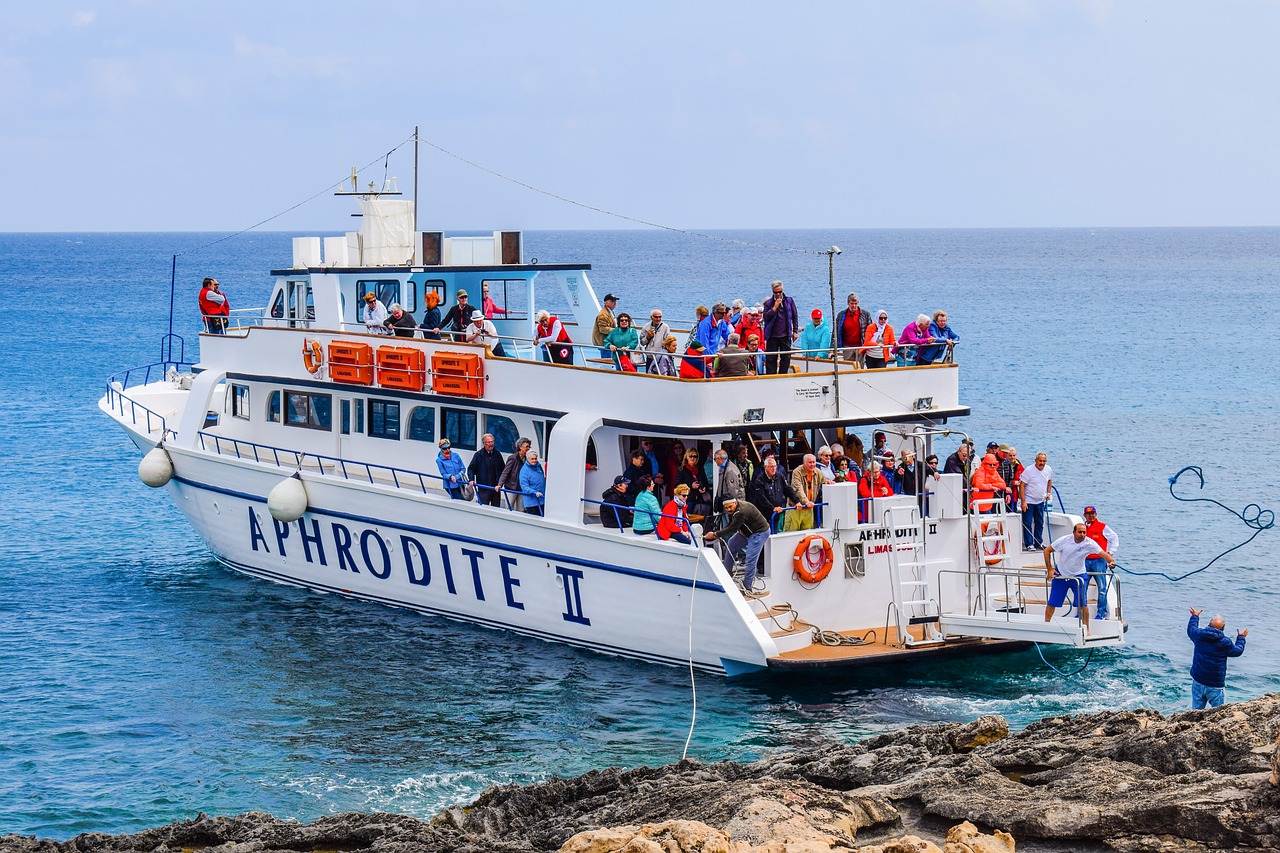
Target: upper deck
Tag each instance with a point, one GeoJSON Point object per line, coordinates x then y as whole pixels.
{"type": "Point", "coordinates": [814, 395]}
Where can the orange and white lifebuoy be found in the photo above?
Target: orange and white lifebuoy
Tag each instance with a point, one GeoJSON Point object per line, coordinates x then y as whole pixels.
{"type": "Point", "coordinates": [312, 356]}
{"type": "Point", "coordinates": [813, 559]}
{"type": "Point", "coordinates": [992, 552]}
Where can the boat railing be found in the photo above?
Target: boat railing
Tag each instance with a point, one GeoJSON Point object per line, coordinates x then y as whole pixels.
{"type": "Point", "coordinates": [348, 469]}
{"type": "Point", "coordinates": [1001, 592]}
{"type": "Point", "coordinates": [684, 519]}
{"type": "Point", "coordinates": [127, 407]}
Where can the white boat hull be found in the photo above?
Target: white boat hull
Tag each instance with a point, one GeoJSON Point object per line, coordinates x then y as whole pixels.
{"type": "Point", "coordinates": [479, 564]}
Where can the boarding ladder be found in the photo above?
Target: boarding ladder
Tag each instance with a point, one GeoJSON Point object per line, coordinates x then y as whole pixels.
{"type": "Point", "coordinates": [914, 602]}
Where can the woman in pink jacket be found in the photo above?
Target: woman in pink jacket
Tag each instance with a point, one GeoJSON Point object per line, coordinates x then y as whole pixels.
{"type": "Point", "coordinates": [916, 335]}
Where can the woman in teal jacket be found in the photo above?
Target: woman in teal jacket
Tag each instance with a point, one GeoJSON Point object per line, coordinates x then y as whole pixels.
{"type": "Point", "coordinates": [815, 338]}
{"type": "Point", "coordinates": [622, 340]}
{"type": "Point", "coordinates": [648, 510]}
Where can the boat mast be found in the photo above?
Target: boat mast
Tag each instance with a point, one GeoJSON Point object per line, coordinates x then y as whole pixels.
{"type": "Point", "coordinates": [835, 333]}
{"type": "Point", "coordinates": [415, 191]}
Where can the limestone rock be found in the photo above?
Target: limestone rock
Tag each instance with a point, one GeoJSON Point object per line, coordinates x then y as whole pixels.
{"type": "Point", "coordinates": [672, 836]}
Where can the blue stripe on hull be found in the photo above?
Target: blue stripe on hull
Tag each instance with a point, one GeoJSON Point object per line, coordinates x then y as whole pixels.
{"type": "Point", "coordinates": [444, 534]}
{"type": "Point", "coordinates": [488, 623]}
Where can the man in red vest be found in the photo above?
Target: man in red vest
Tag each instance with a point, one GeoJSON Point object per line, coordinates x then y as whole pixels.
{"type": "Point", "coordinates": [214, 308]}
{"type": "Point", "coordinates": [1096, 567]}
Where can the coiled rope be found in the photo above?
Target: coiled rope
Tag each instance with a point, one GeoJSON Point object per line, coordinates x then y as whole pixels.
{"type": "Point", "coordinates": [1252, 515]}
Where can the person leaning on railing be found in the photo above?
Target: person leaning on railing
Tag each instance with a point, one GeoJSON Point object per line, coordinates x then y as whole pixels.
{"type": "Point", "coordinates": [940, 331]}
{"type": "Point", "coordinates": [509, 480]}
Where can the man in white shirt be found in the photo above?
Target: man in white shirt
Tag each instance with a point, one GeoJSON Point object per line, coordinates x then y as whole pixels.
{"type": "Point", "coordinates": [1072, 551]}
{"type": "Point", "coordinates": [482, 331]}
{"type": "Point", "coordinates": [1035, 485]}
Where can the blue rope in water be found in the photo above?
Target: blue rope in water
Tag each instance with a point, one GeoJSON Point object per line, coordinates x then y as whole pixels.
{"type": "Point", "coordinates": [1082, 668]}
{"type": "Point", "coordinates": [1252, 515]}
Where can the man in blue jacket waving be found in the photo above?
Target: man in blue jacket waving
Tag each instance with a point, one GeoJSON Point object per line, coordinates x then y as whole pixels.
{"type": "Point", "coordinates": [1209, 662]}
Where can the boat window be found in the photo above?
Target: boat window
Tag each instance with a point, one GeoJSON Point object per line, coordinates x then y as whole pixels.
{"type": "Point", "coordinates": [422, 423]}
{"type": "Point", "coordinates": [436, 284]}
{"type": "Point", "coordinates": [277, 306]}
{"type": "Point", "coordinates": [240, 401]}
{"type": "Point", "coordinates": [358, 405]}
{"type": "Point", "coordinates": [459, 426]}
{"type": "Point", "coordinates": [503, 430]}
{"type": "Point", "coordinates": [386, 289]}
{"type": "Point", "coordinates": [344, 424]}
{"type": "Point", "coordinates": [509, 295]}
{"type": "Point", "coordinates": [384, 419]}
{"type": "Point", "coordinates": [543, 430]}
{"type": "Point", "coordinates": [313, 411]}
{"type": "Point", "coordinates": [273, 406]}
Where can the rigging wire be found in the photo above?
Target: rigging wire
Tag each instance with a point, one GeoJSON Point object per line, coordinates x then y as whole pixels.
{"type": "Point", "coordinates": [614, 214]}
{"type": "Point", "coordinates": [330, 188]}
{"type": "Point", "coordinates": [1252, 515]}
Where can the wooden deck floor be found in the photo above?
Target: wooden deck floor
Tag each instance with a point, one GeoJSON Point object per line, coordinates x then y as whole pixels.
{"type": "Point", "coordinates": [877, 651]}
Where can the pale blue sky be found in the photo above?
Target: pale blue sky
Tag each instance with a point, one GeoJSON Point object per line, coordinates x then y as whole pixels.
{"type": "Point", "coordinates": [210, 116]}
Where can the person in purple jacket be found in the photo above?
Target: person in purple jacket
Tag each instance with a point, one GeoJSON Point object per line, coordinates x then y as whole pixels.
{"type": "Point", "coordinates": [781, 328]}
{"type": "Point", "coordinates": [916, 336]}
{"type": "Point", "coordinates": [1209, 661]}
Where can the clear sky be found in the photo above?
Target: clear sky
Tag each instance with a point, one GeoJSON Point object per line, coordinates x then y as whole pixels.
{"type": "Point", "coordinates": [152, 115]}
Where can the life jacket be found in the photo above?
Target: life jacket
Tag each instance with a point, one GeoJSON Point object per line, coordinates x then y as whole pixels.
{"type": "Point", "coordinates": [545, 327]}
{"type": "Point", "coordinates": [1094, 532]}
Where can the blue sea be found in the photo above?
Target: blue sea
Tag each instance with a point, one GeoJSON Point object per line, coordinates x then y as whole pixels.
{"type": "Point", "coordinates": [140, 682]}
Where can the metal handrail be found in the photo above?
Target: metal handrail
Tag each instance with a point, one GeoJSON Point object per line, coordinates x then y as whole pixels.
{"type": "Point", "coordinates": [982, 601]}
{"type": "Point", "coordinates": [116, 400]}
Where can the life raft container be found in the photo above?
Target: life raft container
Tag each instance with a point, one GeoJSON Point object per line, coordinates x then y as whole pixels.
{"type": "Point", "coordinates": [312, 356]}
{"type": "Point", "coordinates": [813, 559]}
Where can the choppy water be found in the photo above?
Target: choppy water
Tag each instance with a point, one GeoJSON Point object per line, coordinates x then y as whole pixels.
{"type": "Point", "coordinates": [140, 682]}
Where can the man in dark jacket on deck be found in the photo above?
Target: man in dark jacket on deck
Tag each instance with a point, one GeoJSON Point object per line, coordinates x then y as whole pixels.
{"type": "Point", "coordinates": [1209, 662]}
{"type": "Point", "coordinates": [771, 490]}
{"type": "Point", "coordinates": [615, 511]}
{"type": "Point", "coordinates": [485, 469]}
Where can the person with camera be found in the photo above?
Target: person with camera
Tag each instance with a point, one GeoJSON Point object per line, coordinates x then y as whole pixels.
{"type": "Point", "coordinates": [652, 335]}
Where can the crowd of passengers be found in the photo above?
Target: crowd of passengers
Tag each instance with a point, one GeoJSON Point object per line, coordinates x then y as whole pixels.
{"type": "Point", "coordinates": [666, 486]}
{"type": "Point", "coordinates": [733, 339]}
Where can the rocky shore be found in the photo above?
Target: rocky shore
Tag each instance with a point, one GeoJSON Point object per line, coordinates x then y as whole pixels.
{"type": "Point", "coordinates": [1132, 781]}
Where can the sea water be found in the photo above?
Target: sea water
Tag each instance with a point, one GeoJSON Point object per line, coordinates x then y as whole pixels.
{"type": "Point", "coordinates": [140, 682]}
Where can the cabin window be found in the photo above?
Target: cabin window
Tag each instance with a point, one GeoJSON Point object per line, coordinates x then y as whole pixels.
{"type": "Point", "coordinates": [503, 430]}
{"type": "Point", "coordinates": [313, 411]}
{"type": "Point", "coordinates": [543, 431]}
{"type": "Point", "coordinates": [422, 423]}
{"type": "Point", "coordinates": [459, 426]}
{"type": "Point", "coordinates": [277, 306]}
{"type": "Point", "coordinates": [240, 401]}
{"type": "Point", "coordinates": [436, 284]}
{"type": "Point", "coordinates": [344, 425]}
{"type": "Point", "coordinates": [386, 289]}
{"type": "Point", "coordinates": [508, 295]}
{"type": "Point", "coordinates": [273, 407]}
{"type": "Point", "coordinates": [384, 419]}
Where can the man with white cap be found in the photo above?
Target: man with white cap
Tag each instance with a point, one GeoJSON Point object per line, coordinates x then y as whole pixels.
{"type": "Point", "coordinates": [482, 331]}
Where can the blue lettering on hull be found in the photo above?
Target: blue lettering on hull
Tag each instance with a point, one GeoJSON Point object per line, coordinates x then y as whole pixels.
{"type": "Point", "coordinates": [379, 560]}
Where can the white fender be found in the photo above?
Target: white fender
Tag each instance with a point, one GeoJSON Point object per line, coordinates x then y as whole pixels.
{"type": "Point", "coordinates": [288, 500]}
{"type": "Point", "coordinates": [156, 468]}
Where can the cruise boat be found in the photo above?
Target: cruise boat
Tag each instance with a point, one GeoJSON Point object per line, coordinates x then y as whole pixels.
{"type": "Point", "coordinates": [302, 448]}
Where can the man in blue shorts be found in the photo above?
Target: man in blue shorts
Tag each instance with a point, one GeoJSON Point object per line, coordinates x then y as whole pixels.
{"type": "Point", "coordinates": [1072, 551]}
{"type": "Point", "coordinates": [1209, 663]}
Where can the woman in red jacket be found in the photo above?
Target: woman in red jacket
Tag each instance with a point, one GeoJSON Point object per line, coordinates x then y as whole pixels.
{"type": "Point", "coordinates": [871, 485]}
{"type": "Point", "coordinates": [674, 523]}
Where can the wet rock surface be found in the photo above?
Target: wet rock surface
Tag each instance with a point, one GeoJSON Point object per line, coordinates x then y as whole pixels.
{"type": "Point", "coordinates": [1132, 781]}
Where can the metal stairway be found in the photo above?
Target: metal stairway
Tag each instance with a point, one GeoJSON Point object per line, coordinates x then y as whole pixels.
{"type": "Point", "coordinates": [914, 602]}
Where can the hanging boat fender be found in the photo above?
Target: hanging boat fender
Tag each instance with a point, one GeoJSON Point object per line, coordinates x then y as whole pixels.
{"type": "Point", "coordinates": [287, 501]}
{"type": "Point", "coordinates": [813, 559]}
{"type": "Point", "coordinates": [312, 356]}
{"type": "Point", "coordinates": [156, 468]}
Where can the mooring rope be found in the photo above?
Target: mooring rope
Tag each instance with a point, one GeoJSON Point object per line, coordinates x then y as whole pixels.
{"type": "Point", "coordinates": [1252, 515]}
